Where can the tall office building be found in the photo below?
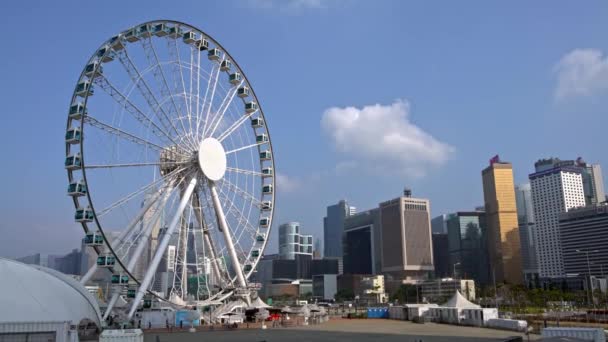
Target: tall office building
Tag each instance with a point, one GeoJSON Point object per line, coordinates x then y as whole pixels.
{"type": "Point", "coordinates": [555, 189]}
{"type": "Point", "coordinates": [593, 182]}
{"type": "Point", "coordinates": [407, 250]}
{"type": "Point", "coordinates": [292, 243]}
{"type": "Point", "coordinates": [439, 224]}
{"type": "Point", "coordinates": [527, 233]}
{"type": "Point", "coordinates": [467, 247]}
{"type": "Point", "coordinates": [501, 220]}
{"type": "Point", "coordinates": [585, 230]}
{"type": "Point", "coordinates": [333, 227]}
{"type": "Point", "coordinates": [362, 243]}
{"type": "Point", "coordinates": [441, 256]}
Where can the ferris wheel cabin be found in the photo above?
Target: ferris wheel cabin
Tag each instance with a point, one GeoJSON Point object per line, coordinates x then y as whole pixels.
{"type": "Point", "coordinates": [120, 279]}
{"type": "Point", "coordinates": [260, 238]}
{"type": "Point", "coordinates": [131, 292]}
{"type": "Point", "coordinates": [189, 37]}
{"type": "Point", "coordinates": [175, 32]}
{"type": "Point", "coordinates": [116, 43]}
{"type": "Point", "coordinates": [257, 122]}
{"type": "Point", "coordinates": [247, 268]}
{"type": "Point", "coordinates": [226, 65]}
{"type": "Point", "coordinates": [73, 162]}
{"type": "Point", "coordinates": [131, 36]}
{"type": "Point", "coordinates": [255, 253]}
{"type": "Point", "coordinates": [84, 88]}
{"type": "Point", "coordinates": [262, 138]}
{"type": "Point", "coordinates": [266, 206]}
{"type": "Point", "coordinates": [76, 111]}
{"type": "Point", "coordinates": [235, 78]}
{"type": "Point", "coordinates": [243, 92]}
{"type": "Point", "coordinates": [105, 57]}
{"type": "Point", "coordinates": [251, 107]}
{"type": "Point", "coordinates": [93, 239]}
{"type": "Point", "coordinates": [84, 215]}
{"type": "Point", "coordinates": [202, 44]}
{"type": "Point", "coordinates": [267, 172]}
{"type": "Point", "coordinates": [265, 155]}
{"type": "Point", "coordinates": [92, 70]}
{"type": "Point", "coordinates": [73, 135]}
{"type": "Point", "coordinates": [77, 188]}
{"type": "Point", "coordinates": [106, 260]}
{"type": "Point", "coordinates": [144, 31]}
{"type": "Point", "coordinates": [267, 189]}
{"type": "Point", "coordinates": [214, 54]}
{"type": "Point", "coordinates": [264, 222]}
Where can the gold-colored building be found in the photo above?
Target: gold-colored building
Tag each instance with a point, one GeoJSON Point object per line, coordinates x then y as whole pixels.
{"type": "Point", "coordinates": [504, 248]}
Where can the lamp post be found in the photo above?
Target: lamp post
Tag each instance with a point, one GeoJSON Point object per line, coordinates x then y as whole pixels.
{"type": "Point", "coordinates": [589, 290]}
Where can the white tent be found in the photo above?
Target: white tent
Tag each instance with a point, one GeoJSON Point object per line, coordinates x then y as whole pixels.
{"type": "Point", "coordinates": [258, 303]}
{"type": "Point", "coordinates": [458, 301]}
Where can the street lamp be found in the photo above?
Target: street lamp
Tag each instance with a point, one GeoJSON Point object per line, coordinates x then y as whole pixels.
{"type": "Point", "coordinates": [589, 290]}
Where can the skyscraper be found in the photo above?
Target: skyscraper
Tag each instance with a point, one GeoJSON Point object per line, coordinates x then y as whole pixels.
{"type": "Point", "coordinates": [501, 219]}
{"type": "Point", "coordinates": [467, 246]}
{"type": "Point", "coordinates": [527, 233]}
{"type": "Point", "coordinates": [333, 227]}
{"type": "Point", "coordinates": [439, 224]}
{"type": "Point", "coordinates": [362, 243]}
{"type": "Point", "coordinates": [555, 189]}
{"type": "Point", "coordinates": [292, 243]}
{"type": "Point", "coordinates": [407, 250]}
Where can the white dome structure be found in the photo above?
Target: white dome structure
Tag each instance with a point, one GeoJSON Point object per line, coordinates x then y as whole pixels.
{"type": "Point", "coordinates": [34, 295]}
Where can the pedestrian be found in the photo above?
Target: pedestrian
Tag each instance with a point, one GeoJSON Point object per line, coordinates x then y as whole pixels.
{"type": "Point", "coordinates": [139, 324]}
{"type": "Point", "coordinates": [181, 324]}
{"type": "Point", "coordinates": [167, 323]}
{"type": "Point", "coordinates": [149, 324]}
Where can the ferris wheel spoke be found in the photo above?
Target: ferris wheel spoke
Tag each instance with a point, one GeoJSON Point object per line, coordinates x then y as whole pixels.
{"type": "Point", "coordinates": [183, 82]}
{"type": "Point", "coordinates": [167, 178]}
{"type": "Point", "coordinates": [245, 172]}
{"type": "Point", "coordinates": [245, 147]}
{"type": "Point", "coordinates": [120, 133]}
{"type": "Point", "coordinates": [244, 194]}
{"type": "Point", "coordinates": [140, 82]}
{"type": "Point", "coordinates": [235, 126]}
{"type": "Point", "coordinates": [139, 115]}
{"type": "Point", "coordinates": [159, 74]}
{"type": "Point", "coordinates": [209, 103]}
{"type": "Point", "coordinates": [238, 214]}
{"type": "Point", "coordinates": [224, 107]}
{"type": "Point", "coordinates": [199, 115]}
{"type": "Point", "coordinates": [109, 166]}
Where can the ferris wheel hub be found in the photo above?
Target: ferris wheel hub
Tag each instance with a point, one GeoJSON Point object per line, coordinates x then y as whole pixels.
{"type": "Point", "coordinates": [212, 159]}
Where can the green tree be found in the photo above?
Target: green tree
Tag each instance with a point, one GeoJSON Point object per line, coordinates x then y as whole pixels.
{"type": "Point", "coordinates": [406, 293]}
{"type": "Point", "coordinates": [344, 294]}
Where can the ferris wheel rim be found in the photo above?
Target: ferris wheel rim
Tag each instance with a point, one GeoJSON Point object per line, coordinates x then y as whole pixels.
{"type": "Point", "coordinates": [89, 199]}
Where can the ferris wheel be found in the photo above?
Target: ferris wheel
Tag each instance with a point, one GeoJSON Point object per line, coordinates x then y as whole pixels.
{"type": "Point", "coordinates": [170, 166]}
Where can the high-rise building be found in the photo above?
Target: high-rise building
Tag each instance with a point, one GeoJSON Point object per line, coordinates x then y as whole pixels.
{"type": "Point", "coordinates": [441, 256]}
{"type": "Point", "coordinates": [333, 227]}
{"type": "Point", "coordinates": [292, 243]}
{"type": "Point", "coordinates": [501, 222]}
{"type": "Point", "coordinates": [555, 189]}
{"type": "Point", "coordinates": [585, 230]}
{"type": "Point", "coordinates": [439, 224]}
{"type": "Point", "coordinates": [407, 251]}
{"type": "Point", "coordinates": [527, 233]}
{"type": "Point", "coordinates": [317, 249]}
{"type": "Point", "coordinates": [362, 243]}
{"type": "Point", "coordinates": [467, 246]}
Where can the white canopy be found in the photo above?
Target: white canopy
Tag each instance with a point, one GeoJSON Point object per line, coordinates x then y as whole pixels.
{"type": "Point", "coordinates": [38, 294]}
{"type": "Point", "coordinates": [458, 301]}
{"type": "Point", "coordinates": [258, 303]}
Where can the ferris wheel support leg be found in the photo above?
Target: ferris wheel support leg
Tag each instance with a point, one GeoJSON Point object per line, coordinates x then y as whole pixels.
{"type": "Point", "coordinates": [196, 204]}
{"type": "Point", "coordinates": [137, 254]}
{"type": "Point", "coordinates": [85, 279]}
{"type": "Point", "coordinates": [160, 250]}
{"type": "Point", "coordinates": [219, 212]}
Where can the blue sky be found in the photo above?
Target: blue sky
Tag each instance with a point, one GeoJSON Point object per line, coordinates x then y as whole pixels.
{"type": "Point", "coordinates": [362, 98]}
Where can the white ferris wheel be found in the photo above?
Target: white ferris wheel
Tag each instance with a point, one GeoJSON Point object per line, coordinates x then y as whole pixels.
{"type": "Point", "coordinates": [170, 166]}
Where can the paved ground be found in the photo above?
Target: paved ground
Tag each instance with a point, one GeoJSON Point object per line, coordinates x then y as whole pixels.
{"type": "Point", "coordinates": [345, 331]}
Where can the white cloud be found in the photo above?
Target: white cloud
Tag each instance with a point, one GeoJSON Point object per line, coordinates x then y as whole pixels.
{"type": "Point", "coordinates": [382, 138]}
{"type": "Point", "coordinates": [286, 184]}
{"type": "Point", "coordinates": [581, 72]}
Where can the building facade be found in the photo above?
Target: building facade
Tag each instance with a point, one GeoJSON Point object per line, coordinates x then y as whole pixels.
{"type": "Point", "coordinates": [585, 230]}
{"type": "Point", "coordinates": [554, 191]}
{"type": "Point", "coordinates": [407, 250]}
{"type": "Point", "coordinates": [441, 255]}
{"type": "Point", "coordinates": [439, 224]}
{"type": "Point", "coordinates": [324, 286]}
{"type": "Point", "coordinates": [362, 246]}
{"type": "Point", "coordinates": [527, 233]}
{"type": "Point", "coordinates": [501, 221]}
{"type": "Point", "coordinates": [439, 290]}
{"type": "Point", "coordinates": [292, 243]}
{"type": "Point", "coordinates": [467, 246]}
{"type": "Point", "coordinates": [333, 227]}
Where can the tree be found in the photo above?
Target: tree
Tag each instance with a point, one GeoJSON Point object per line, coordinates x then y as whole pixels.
{"type": "Point", "coordinates": [406, 293]}
{"type": "Point", "coordinates": [344, 294]}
